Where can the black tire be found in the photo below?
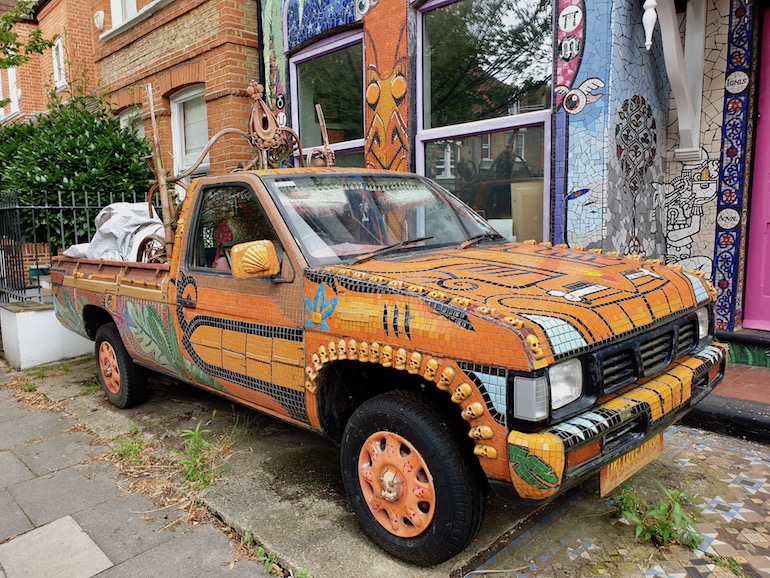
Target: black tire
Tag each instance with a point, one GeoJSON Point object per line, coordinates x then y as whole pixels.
{"type": "Point", "coordinates": [123, 381]}
{"type": "Point", "coordinates": [451, 519]}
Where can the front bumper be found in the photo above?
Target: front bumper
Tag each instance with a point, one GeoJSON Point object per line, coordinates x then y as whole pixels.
{"type": "Point", "coordinates": [542, 464]}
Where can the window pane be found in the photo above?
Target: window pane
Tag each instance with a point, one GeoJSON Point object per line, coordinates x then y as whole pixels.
{"type": "Point", "coordinates": [339, 217]}
{"type": "Point", "coordinates": [506, 188]}
{"type": "Point", "coordinates": [196, 131]}
{"type": "Point", "coordinates": [334, 80]}
{"type": "Point", "coordinates": [229, 215]}
{"type": "Point", "coordinates": [352, 159]}
{"type": "Point", "coordinates": [486, 59]}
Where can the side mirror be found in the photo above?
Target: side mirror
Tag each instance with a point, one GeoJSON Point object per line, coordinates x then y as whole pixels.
{"type": "Point", "coordinates": [254, 260]}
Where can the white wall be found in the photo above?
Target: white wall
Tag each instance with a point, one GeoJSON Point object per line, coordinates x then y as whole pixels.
{"type": "Point", "coordinates": [33, 336]}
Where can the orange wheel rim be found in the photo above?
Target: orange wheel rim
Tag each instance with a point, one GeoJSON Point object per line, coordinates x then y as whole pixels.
{"type": "Point", "coordinates": [396, 484]}
{"type": "Point", "coordinates": [108, 366]}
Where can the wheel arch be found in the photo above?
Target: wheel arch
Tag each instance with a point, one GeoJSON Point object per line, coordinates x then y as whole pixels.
{"type": "Point", "coordinates": [93, 318]}
{"type": "Point", "coordinates": [344, 385]}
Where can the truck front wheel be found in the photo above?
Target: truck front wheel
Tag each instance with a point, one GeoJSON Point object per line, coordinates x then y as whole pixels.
{"type": "Point", "coordinates": [124, 383]}
{"type": "Point", "coordinates": [407, 480]}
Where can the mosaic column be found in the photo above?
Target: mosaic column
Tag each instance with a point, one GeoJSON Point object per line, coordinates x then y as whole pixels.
{"type": "Point", "coordinates": [387, 77]}
{"type": "Point", "coordinates": [733, 182]}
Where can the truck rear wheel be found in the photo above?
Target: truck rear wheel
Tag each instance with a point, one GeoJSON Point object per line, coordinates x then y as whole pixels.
{"type": "Point", "coordinates": [124, 383]}
{"type": "Point", "coordinates": [407, 480]}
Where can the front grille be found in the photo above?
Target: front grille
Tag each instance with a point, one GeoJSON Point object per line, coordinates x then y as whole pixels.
{"type": "Point", "coordinates": [656, 352]}
{"type": "Point", "coordinates": [624, 363]}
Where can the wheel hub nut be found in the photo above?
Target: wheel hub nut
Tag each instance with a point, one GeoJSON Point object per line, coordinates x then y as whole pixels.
{"type": "Point", "coordinates": [391, 484]}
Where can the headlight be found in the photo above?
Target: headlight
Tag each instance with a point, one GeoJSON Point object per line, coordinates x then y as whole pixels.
{"type": "Point", "coordinates": [703, 322]}
{"type": "Point", "coordinates": [566, 382]}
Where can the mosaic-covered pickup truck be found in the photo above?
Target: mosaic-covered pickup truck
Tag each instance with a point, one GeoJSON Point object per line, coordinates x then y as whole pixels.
{"type": "Point", "coordinates": [379, 310]}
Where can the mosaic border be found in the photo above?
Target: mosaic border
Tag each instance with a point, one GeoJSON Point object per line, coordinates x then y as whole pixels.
{"type": "Point", "coordinates": [732, 178]}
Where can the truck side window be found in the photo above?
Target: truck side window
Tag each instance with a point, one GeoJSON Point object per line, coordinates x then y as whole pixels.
{"type": "Point", "coordinates": [229, 215]}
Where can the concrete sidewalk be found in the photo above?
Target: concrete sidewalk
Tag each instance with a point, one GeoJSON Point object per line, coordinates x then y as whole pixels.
{"type": "Point", "coordinates": [63, 514]}
{"type": "Point", "coordinates": [65, 511]}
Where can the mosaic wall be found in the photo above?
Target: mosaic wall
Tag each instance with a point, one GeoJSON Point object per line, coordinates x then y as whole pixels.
{"type": "Point", "coordinates": [732, 198]}
{"type": "Point", "coordinates": [705, 201]}
{"type": "Point", "coordinates": [287, 24]}
{"type": "Point", "coordinates": [690, 189]}
{"type": "Point", "coordinates": [580, 200]}
{"type": "Point", "coordinates": [611, 194]}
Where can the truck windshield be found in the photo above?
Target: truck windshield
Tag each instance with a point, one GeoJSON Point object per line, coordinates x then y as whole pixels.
{"type": "Point", "coordinates": [344, 217]}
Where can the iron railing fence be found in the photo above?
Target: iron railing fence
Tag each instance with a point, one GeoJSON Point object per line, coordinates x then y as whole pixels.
{"type": "Point", "coordinates": [30, 233]}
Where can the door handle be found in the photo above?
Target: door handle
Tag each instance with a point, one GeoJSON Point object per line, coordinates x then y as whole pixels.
{"type": "Point", "coordinates": [188, 303]}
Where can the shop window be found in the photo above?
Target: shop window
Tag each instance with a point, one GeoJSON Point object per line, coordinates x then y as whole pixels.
{"type": "Point", "coordinates": [331, 74]}
{"type": "Point", "coordinates": [485, 115]}
{"type": "Point", "coordinates": [189, 129]}
{"type": "Point", "coordinates": [122, 10]}
{"type": "Point", "coordinates": [132, 118]}
{"type": "Point", "coordinates": [59, 64]}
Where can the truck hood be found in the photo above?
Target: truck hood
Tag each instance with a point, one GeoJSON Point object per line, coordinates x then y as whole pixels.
{"type": "Point", "coordinates": [576, 299]}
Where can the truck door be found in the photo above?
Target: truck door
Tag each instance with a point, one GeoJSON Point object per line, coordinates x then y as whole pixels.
{"type": "Point", "coordinates": [244, 334]}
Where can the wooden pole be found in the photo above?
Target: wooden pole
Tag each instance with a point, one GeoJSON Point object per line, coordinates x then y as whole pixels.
{"type": "Point", "coordinates": [160, 174]}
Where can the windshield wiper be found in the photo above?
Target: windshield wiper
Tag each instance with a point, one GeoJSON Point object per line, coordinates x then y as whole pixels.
{"type": "Point", "coordinates": [477, 238]}
{"type": "Point", "coordinates": [390, 248]}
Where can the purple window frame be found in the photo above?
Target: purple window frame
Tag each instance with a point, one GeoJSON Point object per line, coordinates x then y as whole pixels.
{"type": "Point", "coordinates": [528, 119]}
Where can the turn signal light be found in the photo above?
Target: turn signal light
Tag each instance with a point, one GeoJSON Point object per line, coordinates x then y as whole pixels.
{"type": "Point", "coordinates": [584, 454]}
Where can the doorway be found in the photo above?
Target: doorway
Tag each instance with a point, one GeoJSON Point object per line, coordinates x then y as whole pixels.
{"type": "Point", "coordinates": [757, 293]}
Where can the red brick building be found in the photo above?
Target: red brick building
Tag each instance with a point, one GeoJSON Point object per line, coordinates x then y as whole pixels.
{"type": "Point", "coordinates": [198, 55]}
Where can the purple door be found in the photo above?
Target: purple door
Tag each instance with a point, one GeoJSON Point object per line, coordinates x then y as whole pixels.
{"type": "Point", "coordinates": [756, 313]}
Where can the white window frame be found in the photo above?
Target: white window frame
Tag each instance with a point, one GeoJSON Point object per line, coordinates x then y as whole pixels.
{"type": "Point", "coordinates": [118, 27]}
{"type": "Point", "coordinates": [127, 117]}
{"type": "Point", "coordinates": [322, 48]}
{"type": "Point", "coordinates": [59, 64]}
{"type": "Point", "coordinates": [177, 101]}
{"type": "Point", "coordinates": [486, 147]}
{"type": "Point", "coordinates": [121, 11]}
{"type": "Point", "coordinates": [14, 93]}
{"type": "Point", "coordinates": [456, 131]}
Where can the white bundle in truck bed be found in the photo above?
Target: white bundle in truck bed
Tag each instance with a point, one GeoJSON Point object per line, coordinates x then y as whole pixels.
{"type": "Point", "coordinates": [120, 228]}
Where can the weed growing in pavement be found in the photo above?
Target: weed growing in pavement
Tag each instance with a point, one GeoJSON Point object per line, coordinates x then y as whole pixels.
{"type": "Point", "coordinates": [196, 463]}
{"type": "Point", "coordinates": [129, 449]}
{"type": "Point", "coordinates": [29, 387]}
{"type": "Point", "coordinates": [91, 385]}
{"type": "Point", "coordinates": [659, 523]}
{"type": "Point", "coordinates": [730, 564]}
{"type": "Point", "coordinates": [65, 366]}
{"type": "Point", "coordinates": [267, 559]}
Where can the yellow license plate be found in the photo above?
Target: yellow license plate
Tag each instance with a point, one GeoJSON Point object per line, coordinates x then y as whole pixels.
{"type": "Point", "coordinates": [617, 472]}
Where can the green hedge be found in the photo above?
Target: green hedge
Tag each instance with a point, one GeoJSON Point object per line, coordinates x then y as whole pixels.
{"type": "Point", "coordinates": [77, 150]}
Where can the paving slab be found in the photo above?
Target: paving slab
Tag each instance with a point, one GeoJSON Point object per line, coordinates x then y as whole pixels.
{"type": "Point", "coordinates": [127, 526]}
{"type": "Point", "coordinates": [9, 407]}
{"type": "Point", "coordinates": [30, 425]}
{"type": "Point", "coordinates": [13, 520]}
{"type": "Point", "coordinates": [60, 548]}
{"type": "Point", "coordinates": [12, 469]}
{"type": "Point", "coordinates": [198, 553]}
{"type": "Point", "coordinates": [67, 491]}
{"type": "Point", "coordinates": [58, 452]}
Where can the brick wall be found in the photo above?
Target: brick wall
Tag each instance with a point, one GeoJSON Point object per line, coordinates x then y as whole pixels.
{"type": "Point", "coordinates": [213, 42]}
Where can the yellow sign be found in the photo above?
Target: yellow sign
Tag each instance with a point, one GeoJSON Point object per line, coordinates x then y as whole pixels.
{"type": "Point", "coordinates": [617, 472]}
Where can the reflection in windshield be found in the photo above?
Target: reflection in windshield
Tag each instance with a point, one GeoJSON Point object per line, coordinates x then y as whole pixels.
{"type": "Point", "coordinates": [341, 217]}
